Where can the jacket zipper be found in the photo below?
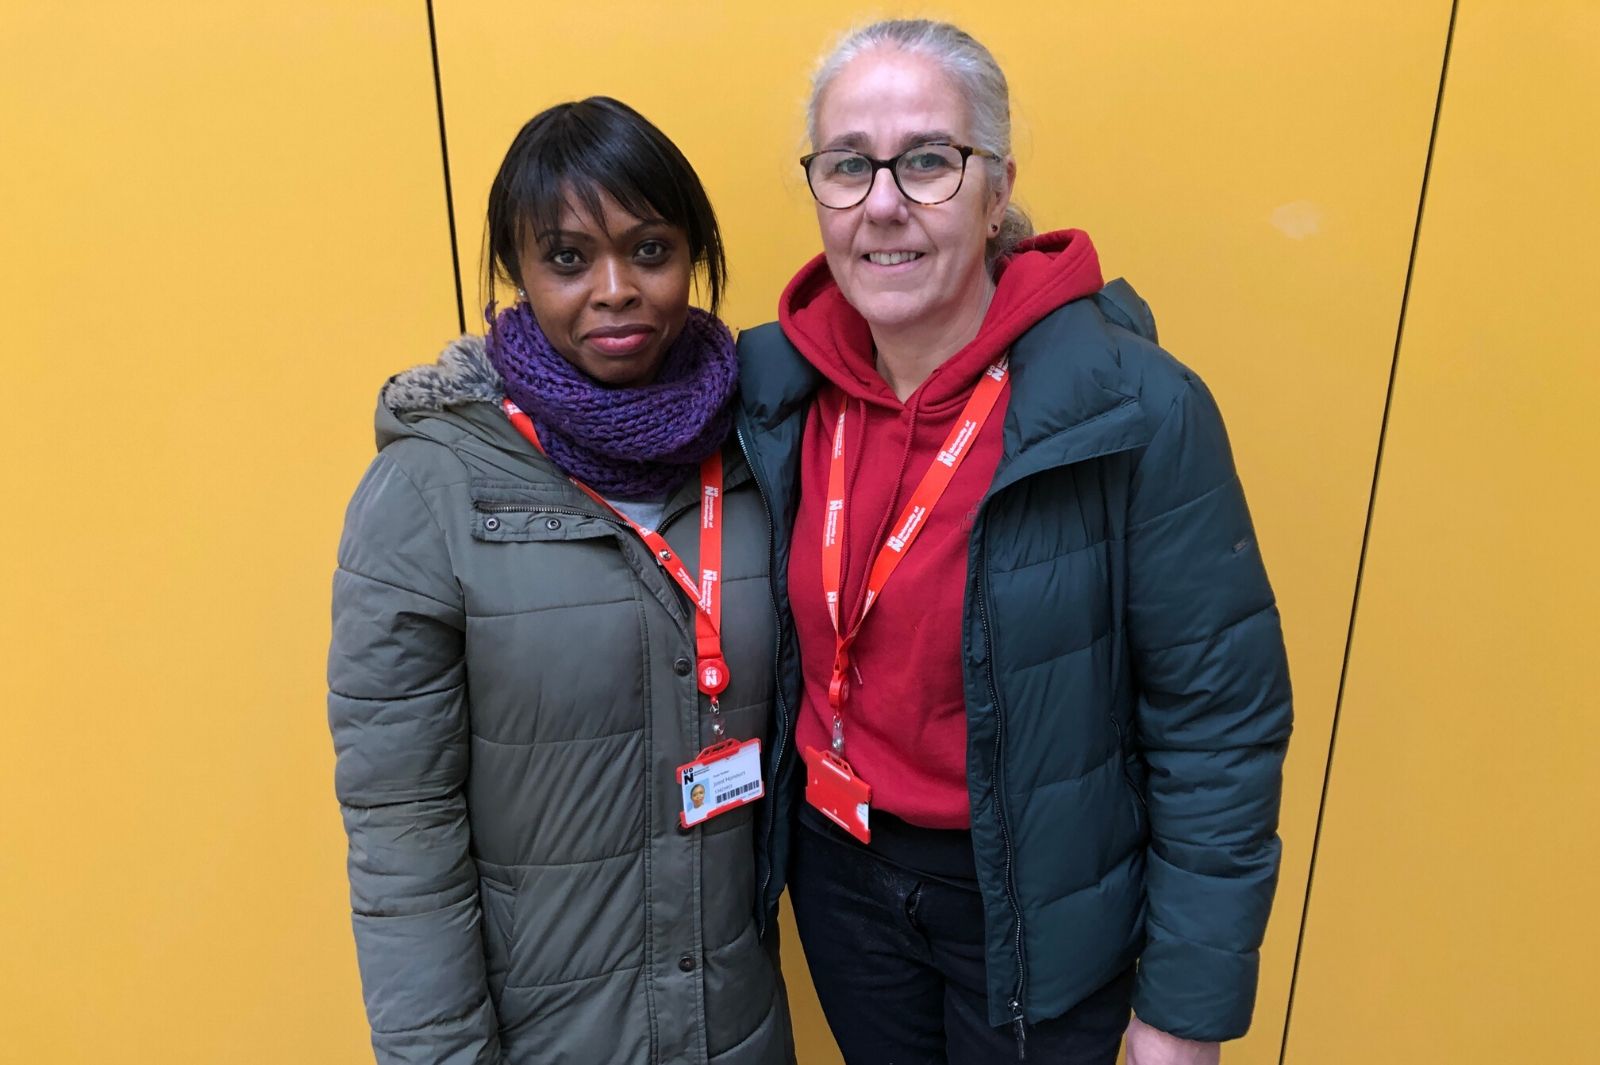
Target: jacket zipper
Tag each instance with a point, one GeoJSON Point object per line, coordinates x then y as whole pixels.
{"type": "Point", "coordinates": [777, 680]}
{"type": "Point", "coordinates": [667, 518]}
{"type": "Point", "coordinates": [1018, 1025]}
{"type": "Point", "coordinates": [528, 508]}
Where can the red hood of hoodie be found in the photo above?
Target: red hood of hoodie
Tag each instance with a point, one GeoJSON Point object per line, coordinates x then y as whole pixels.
{"type": "Point", "coordinates": [1042, 274]}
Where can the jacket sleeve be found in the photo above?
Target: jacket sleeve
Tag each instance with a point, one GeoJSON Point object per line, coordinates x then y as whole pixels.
{"type": "Point", "coordinates": [1213, 721]}
{"type": "Point", "coordinates": [397, 709]}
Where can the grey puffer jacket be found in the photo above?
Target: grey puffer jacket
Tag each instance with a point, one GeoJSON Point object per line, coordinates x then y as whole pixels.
{"type": "Point", "coordinates": [510, 696]}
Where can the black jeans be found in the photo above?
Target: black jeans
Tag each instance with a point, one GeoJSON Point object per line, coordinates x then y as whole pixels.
{"type": "Point", "coordinates": [898, 963]}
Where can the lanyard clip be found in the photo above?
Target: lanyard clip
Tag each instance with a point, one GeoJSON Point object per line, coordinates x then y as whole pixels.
{"type": "Point", "coordinates": [838, 690]}
{"type": "Point", "coordinates": [839, 683]}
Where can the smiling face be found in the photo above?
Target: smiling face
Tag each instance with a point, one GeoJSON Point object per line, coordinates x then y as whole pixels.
{"type": "Point", "coordinates": [898, 263]}
{"type": "Point", "coordinates": [610, 292]}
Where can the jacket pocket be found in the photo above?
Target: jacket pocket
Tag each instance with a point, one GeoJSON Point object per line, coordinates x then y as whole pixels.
{"type": "Point", "coordinates": [533, 522]}
{"type": "Point", "coordinates": [1133, 774]}
{"type": "Point", "coordinates": [1141, 810]}
{"type": "Point", "coordinates": [522, 511]}
{"type": "Point", "coordinates": [499, 902]}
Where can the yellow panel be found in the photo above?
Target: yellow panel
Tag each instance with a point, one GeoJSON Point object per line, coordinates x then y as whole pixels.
{"type": "Point", "coordinates": [224, 224]}
{"type": "Point", "coordinates": [1452, 917]}
{"type": "Point", "coordinates": [1253, 167]}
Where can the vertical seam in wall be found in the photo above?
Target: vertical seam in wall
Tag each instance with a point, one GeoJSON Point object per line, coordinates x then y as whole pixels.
{"type": "Point", "coordinates": [1366, 533]}
{"type": "Point", "coordinates": [444, 152]}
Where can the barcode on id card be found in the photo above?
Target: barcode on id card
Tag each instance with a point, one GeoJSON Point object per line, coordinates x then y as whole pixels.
{"type": "Point", "coordinates": [733, 793]}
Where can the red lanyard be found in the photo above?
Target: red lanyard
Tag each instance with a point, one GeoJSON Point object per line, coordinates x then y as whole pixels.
{"type": "Point", "coordinates": [906, 530]}
{"type": "Point", "coordinates": [711, 671]}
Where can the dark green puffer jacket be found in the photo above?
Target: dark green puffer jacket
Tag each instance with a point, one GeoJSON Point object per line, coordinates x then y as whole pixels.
{"type": "Point", "coordinates": [511, 693]}
{"type": "Point", "coordinates": [1127, 693]}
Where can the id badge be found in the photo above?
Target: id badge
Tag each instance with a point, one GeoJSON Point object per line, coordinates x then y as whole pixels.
{"type": "Point", "coordinates": [837, 793]}
{"type": "Point", "coordinates": [722, 777]}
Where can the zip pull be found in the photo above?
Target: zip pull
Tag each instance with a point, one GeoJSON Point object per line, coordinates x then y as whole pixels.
{"type": "Point", "coordinates": [1021, 1029]}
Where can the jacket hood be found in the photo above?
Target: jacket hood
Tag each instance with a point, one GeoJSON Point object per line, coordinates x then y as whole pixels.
{"type": "Point", "coordinates": [1043, 273]}
{"type": "Point", "coordinates": [462, 374]}
{"type": "Point", "coordinates": [461, 388]}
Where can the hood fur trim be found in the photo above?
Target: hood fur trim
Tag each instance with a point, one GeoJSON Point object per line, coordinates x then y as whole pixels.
{"type": "Point", "coordinates": [462, 374]}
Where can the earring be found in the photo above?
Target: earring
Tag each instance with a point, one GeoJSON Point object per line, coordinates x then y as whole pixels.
{"type": "Point", "coordinates": [521, 295]}
{"type": "Point", "coordinates": [994, 227]}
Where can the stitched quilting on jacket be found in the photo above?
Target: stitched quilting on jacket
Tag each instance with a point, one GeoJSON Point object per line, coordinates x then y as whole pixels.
{"type": "Point", "coordinates": [511, 692]}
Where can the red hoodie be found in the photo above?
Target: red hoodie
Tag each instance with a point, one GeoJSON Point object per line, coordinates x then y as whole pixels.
{"type": "Point", "coordinates": [905, 719]}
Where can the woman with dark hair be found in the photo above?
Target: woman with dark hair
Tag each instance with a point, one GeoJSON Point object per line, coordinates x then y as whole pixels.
{"type": "Point", "coordinates": [551, 629]}
{"type": "Point", "coordinates": [1033, 702]}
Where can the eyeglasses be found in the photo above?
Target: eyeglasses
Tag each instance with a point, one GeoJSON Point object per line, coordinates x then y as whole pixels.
{"type": "Point", "coordinates": [924, 173]}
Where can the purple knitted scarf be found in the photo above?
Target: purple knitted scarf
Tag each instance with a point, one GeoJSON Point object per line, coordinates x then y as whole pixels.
{"type": "Point", "coordinates": [625, 443]}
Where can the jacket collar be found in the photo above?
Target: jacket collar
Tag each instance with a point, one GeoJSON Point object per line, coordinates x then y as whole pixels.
{"type": "Point", "coordinates": [1071, 399]}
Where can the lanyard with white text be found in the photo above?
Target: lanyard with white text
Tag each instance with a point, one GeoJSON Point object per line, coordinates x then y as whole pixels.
{"type": "Point", "coordinates": [711, 671]}
{"type": "Point", "coordinates": [906, 530]}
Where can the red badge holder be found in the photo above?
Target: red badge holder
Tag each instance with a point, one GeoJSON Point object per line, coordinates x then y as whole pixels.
{"type": "Point", "coordinates": [723, 777]}
{"type": "Point", "coordinates": [833, 788]}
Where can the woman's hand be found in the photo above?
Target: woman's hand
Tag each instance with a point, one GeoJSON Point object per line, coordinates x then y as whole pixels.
{"type": "Point", "coordinates": [1151, 1046]}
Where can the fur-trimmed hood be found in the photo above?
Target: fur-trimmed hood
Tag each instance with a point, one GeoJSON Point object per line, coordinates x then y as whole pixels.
{"type": "Point", "coordinates": [458, 393]}
{"type": "Point", "coordinates": [462, 374]}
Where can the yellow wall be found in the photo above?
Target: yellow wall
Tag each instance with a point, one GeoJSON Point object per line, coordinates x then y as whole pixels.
{"type": "Point", "coordinates": [225, 226]}
{"type": "Point", "coordinates": [1452, 917]}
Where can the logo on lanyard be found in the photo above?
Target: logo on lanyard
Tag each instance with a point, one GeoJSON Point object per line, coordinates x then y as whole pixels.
{"type": "Point", "coordinates": [709, 495]}
{"type": "Point", "coordinates": [908, 531]}
{"type": "Point", "coordinates": [956, 448]}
